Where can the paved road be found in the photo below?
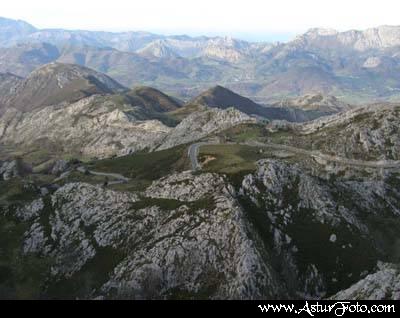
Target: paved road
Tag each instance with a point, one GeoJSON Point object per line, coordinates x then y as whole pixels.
{"type": "Point", "coordinates": [316, 154]}
{"type": "Point", "coordinates": [120, 177]}
{"type": "Point", "coordinates": [194, 151]}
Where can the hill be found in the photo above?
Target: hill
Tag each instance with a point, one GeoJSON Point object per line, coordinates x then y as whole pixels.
{"type": "Point", "coordinates": [365, 133]}
{"type": "Point", "coordinates": [320, 102]}
{"type": "Point", "coordinates": [152, 99]}
{"type": "Point", "coordinates": [24, 58]}
{"type": "Point", "coordinates": [56, 83]}
{"type": "Point", "coordinates": [220, 97]}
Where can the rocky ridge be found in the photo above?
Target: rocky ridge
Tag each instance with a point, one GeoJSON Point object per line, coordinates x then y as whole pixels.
{"type": "Point", "coordinates": [202, 123]}
{"type": "Point", "coordinates": [365, 133]}
{"type": "Point", "coordinates": [101, 126]}
{"type": "Point", "coordinates": [374, 38]}
{"type": "Point", "coordinates": [90, 127]}
{"type": "Point", "coordinates": [341, 218]}
{"type": "Point", "coordinates": [384, 284]}
{"type": "Point", "coordinates": [199, 248]}
{"type": "Point", "coordinates": [316, 102]}
{"type": "Point", "coordinates": [201, 236]}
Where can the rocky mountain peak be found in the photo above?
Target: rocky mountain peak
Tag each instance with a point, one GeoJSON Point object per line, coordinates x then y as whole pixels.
{"type": "Point", "coordinates": [384, 284]}
{"type": "Point", "coordinates": [374, 38]}
{"type": "Point", "coordinates": [159, 49]}
{"type": "Point", "coordinates": [321, 32]}
{"type": "Point", "coordinates": [318, 101]}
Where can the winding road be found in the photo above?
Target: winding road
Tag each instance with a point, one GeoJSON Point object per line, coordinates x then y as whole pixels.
{"type": "Point", "coordinates": [120, 178]}
{"type": "Point", "coordinates": [194, 151]}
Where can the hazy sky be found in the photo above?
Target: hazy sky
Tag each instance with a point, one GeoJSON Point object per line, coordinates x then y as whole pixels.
{"type": "Point", "coordinates": [251, 19]}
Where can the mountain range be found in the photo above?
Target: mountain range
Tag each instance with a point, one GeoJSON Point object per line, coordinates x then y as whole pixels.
{"type": "Point", "coordinates": [71, 106]}
{"type": "Point", "coordinates": [356, 66]}
{"type": "Point", "coordinates": [98, 200]}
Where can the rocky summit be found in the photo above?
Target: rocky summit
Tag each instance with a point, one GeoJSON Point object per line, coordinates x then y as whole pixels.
{"type": "Point", "coordinates": [382, 285]}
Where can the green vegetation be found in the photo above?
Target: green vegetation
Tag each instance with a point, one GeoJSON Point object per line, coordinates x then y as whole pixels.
{"type": "Point", "coordinates": [394, 180]}
{"type": "Point", "coordinates": [89, 278]}
{"type": "Point", "coordinates": [21, 276]}
{"type": "Point", "coordinates": [40, 155]}
{"type": "Point", "coordinates": [351, 253]}
{"type": "Point", "coordinates": [212, 279]}
{"type": "Point", "coordinates": [143, 168]}
{"type": "Point", "coordinates": [244, 132]}
{"type": "Point", "coordinates": [183, 112]}
{"type": "Point", "coordinates": [230, 159]}
{"type": "Point", "coordinates": [16, 191]}
{"type": "Point", "coordinates": [76, 176]}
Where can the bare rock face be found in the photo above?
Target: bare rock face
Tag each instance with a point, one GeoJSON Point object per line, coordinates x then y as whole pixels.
{"type": "Point", "coordinates": [316, 102]}
{"type": "Point", "coordinates": [279, 232]}
{"type": "Point", "coordinates": [227, 49]}
{"type": "Point", "coordinates": [103, 126]}
{"type": "Point", "coordinates": [185, 187]}
{"type": "Point", "coordinates": [13, 169]}
{"type": "Point", "coordinates": [170, 245]}
{"type": "Point", "coordinates": [384, 284]}
{"type": "Point", "coordinates": [90, 126]}
{"type": "Point", "coordinates": [317, 228]}
{"type": "Point", "coordinates": [366, 133]}
{"type": "Point", "coordinates": [203, 123]}
{"type": "Point", "coordinates": [375, 38]}
{"type": "Point", "coordinates": [159, 49]}
{"type": "Point", "coordinates": [371, 130]}
{"type": "Point", "coordinates": [59, 167]}
{"type": "Point", "coordinates": [9, 170]}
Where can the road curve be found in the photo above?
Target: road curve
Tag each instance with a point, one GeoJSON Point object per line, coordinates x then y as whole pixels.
{"type": "Point", "coordinates": [194, 151]}
{"type": "Point", "coordinates": [120, 177]}
{"type": "Point", "coordinates": [316, 154]}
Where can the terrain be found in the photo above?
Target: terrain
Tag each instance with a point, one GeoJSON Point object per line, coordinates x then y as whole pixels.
{"type": "Point", "coordinates": [356, 66]}
{"type": "Point", "coordinates": [75, 110]}
{"type": "Point", "coordinates": [266, 211]}
{"type": "Point", "coordinates": [124, 191]}
{"type": "Point", "coordinates": [254, 216]}
{"type": "Point", "coordinates": [301, 109]}
{"type": "Point", "coordinates": [56, 83]}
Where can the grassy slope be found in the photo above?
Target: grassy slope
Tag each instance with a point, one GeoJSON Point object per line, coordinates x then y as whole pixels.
{"type": "Point", "coordinates": [183, 112]}
{"type": "Point", "coordinates": [230, 159]}
{"type": "Point", "coordinates": [244, 132]}
{"type": "Point", "coordinates": [143, 168]}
